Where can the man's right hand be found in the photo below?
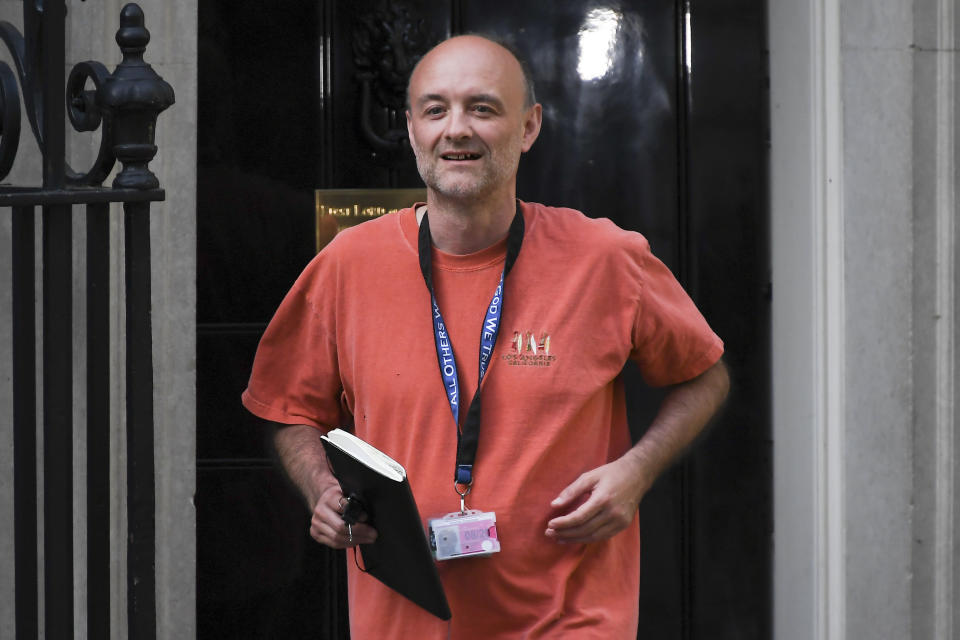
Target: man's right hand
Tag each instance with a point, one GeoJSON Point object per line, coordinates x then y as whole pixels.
{"type": "Point", "coordinates": [327, 525]}
{"type": "Point", "coordinates": [301, 453]}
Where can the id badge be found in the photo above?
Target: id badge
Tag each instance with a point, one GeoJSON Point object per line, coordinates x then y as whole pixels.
{"type": "Point", "coordinates": [464, 534]}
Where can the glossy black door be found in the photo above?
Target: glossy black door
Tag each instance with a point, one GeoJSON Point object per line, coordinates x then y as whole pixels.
{"type": "Point", "coordinates": [258, 573]}
{"type": "Point", "coordinates": [654, 117]}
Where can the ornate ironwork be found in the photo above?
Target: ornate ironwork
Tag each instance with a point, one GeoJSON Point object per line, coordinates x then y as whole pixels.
{"type": "Point", "coordinates": [387, 44]}
{"type": "Point", "coordinates": [85, 115]}
{"type": "Point", "coordinates": [9, 119]}
{"type": "Point", "coordinates": [133, 96]}
{"type": "Point", "coordinates": [26, 55]}
{"type": "Point", "coordinates": [125, 103]}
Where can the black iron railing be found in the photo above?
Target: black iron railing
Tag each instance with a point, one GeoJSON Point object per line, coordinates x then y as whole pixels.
{"type": "Point", "coordinates": [124, 105]}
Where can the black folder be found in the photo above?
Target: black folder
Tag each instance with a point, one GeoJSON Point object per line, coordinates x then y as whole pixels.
{"type": "Point", "coordinates": [400, 557]}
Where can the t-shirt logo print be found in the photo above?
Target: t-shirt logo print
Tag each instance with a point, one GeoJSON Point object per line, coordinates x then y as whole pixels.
{"type": "Point", "coordinates": [529, 350]}
{"type": "Point", "coordinates": [527, 341]}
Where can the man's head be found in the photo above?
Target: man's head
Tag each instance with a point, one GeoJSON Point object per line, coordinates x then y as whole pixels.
{"type": "Point", "coordinates": [530, 96]}
{"type": "Point", "coordinates": [470, 117]}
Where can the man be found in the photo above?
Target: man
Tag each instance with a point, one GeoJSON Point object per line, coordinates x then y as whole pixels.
{"type": "Point", "coordinates": [573, 298]}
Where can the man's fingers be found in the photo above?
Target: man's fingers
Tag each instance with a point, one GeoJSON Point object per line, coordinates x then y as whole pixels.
{"type": "Point", "coordinates": [339, 537]}
{"type": "Point", "coordinates": [560, 530]}
{"type": "Point", "coordinates": [606, 521]}
{"type": "Point", "coordinates": [328, 528]}
{"type": "Point", "coordinates": [333, 500]}
{"type": "Point", "coordinates": [323, 533]}
{"type": "Point", "coordinates": [572, 491]}
{"type": "Point", "coordinates": [576, 518]}
{"type": "Point", "coordinates": [602, 525]}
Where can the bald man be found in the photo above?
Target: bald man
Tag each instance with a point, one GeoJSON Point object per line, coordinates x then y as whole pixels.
{"type": "Point", "coordinates": [478, 340]}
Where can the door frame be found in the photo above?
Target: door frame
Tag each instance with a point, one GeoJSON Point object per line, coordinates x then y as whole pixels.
{"type": "Point", "coordinates": [807, 220]}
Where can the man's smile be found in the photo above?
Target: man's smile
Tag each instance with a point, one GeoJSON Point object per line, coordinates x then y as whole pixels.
{"type": "Point", "coordinates": [459, 156]}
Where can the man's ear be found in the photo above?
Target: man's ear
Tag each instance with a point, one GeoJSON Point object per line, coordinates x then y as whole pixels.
{"type": "Point", "coordinates": [409, 128]}
{"type": "Point", "coordinates": [531, 126]}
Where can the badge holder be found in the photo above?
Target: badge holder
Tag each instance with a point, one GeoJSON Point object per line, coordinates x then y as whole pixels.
{"type": "Point", "coordinates": [468, 533]}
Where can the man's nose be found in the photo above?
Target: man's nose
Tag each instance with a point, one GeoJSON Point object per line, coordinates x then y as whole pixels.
{"type": "Point", "coordinates": [458, 125]}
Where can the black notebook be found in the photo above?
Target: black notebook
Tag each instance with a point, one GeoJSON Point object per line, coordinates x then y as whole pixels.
{"type": "Point", "coordinates": [400, 558]}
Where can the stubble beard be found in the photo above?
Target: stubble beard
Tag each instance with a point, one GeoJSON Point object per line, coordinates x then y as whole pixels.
{"type": "Point", "coordinates": [497, 169]}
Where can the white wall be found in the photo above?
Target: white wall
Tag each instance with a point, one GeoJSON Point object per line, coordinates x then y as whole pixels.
{"type": "Point", "coordinates": [877, 90]}
{"type": "Point", "coordinates": [936, 522]}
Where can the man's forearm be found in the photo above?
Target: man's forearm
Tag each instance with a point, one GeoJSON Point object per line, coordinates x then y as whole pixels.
{"type": "Point", "coordinates": [683, 414]}
{"type": "Point", "coordinates": [302, 455]}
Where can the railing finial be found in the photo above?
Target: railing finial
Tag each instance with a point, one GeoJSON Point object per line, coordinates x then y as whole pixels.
{"type": "Point", "coordinates": [132, 97]}
{"type": "Point", "coordinates": [132, 36]}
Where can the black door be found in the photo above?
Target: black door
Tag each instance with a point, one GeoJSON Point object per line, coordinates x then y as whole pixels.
{"type": "Point", "coordinates": [654, 116]}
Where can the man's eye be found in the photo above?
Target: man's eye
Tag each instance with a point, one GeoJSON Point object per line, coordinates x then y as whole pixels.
{"type": "Point", "coordinates": [434, 111]}
{"type": "Point", "coordinates": [482, 108]}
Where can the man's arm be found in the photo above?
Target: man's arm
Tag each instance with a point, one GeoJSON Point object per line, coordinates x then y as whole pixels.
{"type": "Point", "coordinates": [611, 494]}
{"type": "Point", "coordinates": [301, 452]}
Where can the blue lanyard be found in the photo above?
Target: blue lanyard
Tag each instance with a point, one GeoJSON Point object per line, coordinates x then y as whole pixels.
{"type": "Point", "coordinates": [468, 436]}
{"type": "Point", "coordinates": [445, 357]}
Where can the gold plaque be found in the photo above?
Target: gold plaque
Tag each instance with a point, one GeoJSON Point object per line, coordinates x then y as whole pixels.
{"type": "Point", "coordinates": [337, 209]}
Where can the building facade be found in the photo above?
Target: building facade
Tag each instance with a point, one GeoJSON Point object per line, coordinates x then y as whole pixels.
{"type": "Point", "coordinates": [863, 248]}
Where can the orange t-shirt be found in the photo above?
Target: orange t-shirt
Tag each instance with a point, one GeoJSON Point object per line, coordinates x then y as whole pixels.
{"type": "Point", "coordinates": [352, 345]}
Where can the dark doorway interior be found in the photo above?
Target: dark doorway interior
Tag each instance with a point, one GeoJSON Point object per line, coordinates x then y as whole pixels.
{"type": "Point", "coordinates": [655, 116]}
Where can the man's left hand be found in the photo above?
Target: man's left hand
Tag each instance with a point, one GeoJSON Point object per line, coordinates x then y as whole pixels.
{"type": "Point", "coordinates": [610, 495]}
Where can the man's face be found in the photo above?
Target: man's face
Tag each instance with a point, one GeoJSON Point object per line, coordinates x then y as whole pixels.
{"type": "Point", "coordinates": [467, 122]}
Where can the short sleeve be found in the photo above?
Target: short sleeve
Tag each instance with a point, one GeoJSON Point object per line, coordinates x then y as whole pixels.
{"type": "Point", "coordinates": [672, 341]}
{"type": "Point", "coordinates": [295, 377]}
